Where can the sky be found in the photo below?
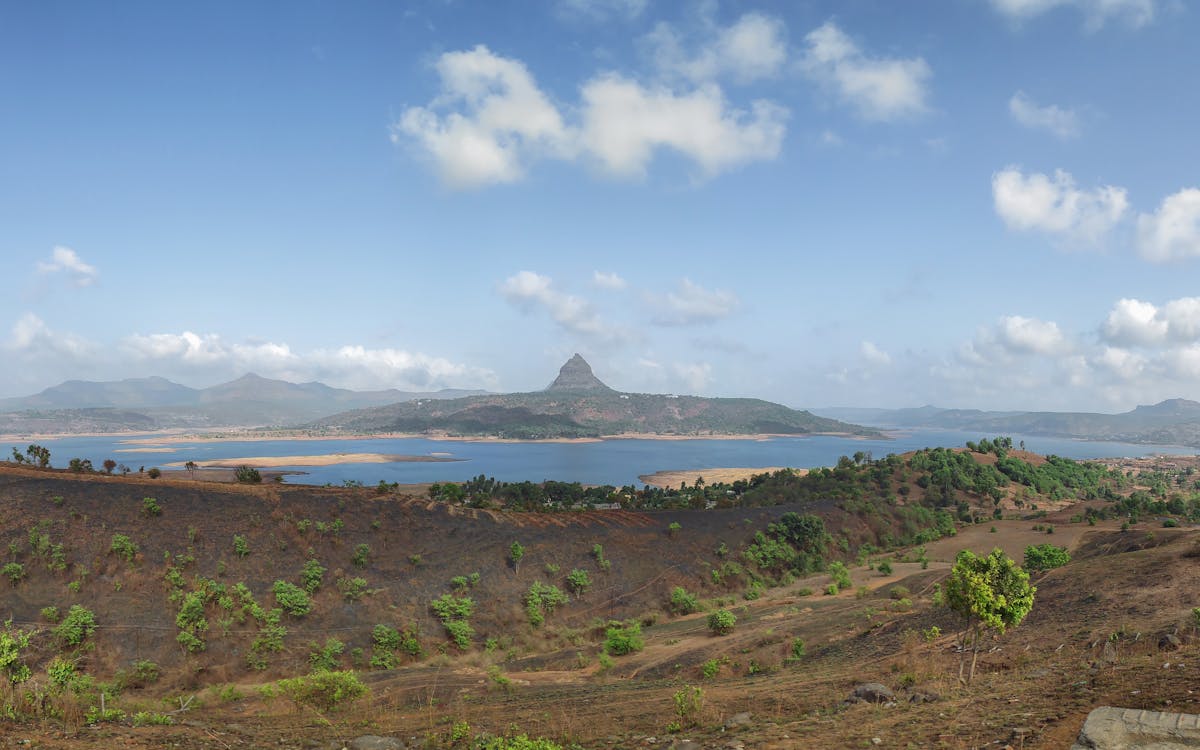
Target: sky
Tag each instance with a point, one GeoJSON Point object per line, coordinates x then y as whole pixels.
{"type": "Point", "coordinates": [970, 203]}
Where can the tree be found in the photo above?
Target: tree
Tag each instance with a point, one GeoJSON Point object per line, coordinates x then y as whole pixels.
{"type": "Point", "coordinates": [191, 469]}
{"type": "Point", "coordinates": [38, 454]}
{"type": "Point", "coordinates": [515, 553]}
{"type": "Point", "coordinates": [990, 592]}
{"type": "Point", "coordinates": [109, 465]}
{"type": "Point", "coordinates": [17, 457]}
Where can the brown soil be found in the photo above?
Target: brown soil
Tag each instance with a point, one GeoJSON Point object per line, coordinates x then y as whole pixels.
{"type": "Point", "coordinates": [1033, 687]}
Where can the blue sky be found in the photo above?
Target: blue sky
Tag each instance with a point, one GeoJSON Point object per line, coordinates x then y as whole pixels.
{"type": "Point", "coordinates": [987, 203]}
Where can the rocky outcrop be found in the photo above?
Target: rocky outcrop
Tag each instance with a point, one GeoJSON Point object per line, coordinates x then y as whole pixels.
{"type": "Point", "coordinates": [576, 375]}
{"type": "Point", "coordinates": [1108, 728]}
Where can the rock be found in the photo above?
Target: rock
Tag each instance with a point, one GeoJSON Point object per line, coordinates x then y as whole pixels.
{"type": "Point", "coordinates": [1169, 642]}
{"type": "Point", "coordinates": [375, 742]}
{"type": "Point", "coordinates": [872, 692]}
{"type": "Point", "coordinates": [876, 741]}
{"type": "Point", "coordinates": [923, 696]}
{"type": "Point", "coordinates": [1109, 653]}
{"type": "Point", "coordinates": [738, 720]}
{"type": "Point", "coordinates": [1108, 728]}
{"type": "Point", "coordinates": [685, 745]}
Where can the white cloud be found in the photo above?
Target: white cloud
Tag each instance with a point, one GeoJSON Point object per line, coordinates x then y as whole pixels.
{"type": "Point", "coordinates": [624, 123]}
{"type": "Point", "coordinates": [873, 355]}
{"type": "Point", "coordinates": [1172, 232]}
{"type": "Point", "coordinates": [67, 261]}
{"type": "Point", "coordinates": [691, 303]}
{"type": "Point", "coordinates": [696, 376]}
{"type": "Point", "coordinates": [611, 281]}
{"type": "Point", "coordinates": [32, 338]}
{"type": "Point", "coordinates": [507, 118]}
{"type": "Point", "coordinates": [601, 10]}
{"type": "Point", "coordinates": [1096, 12]}
{"type": "Point", "coordinates": [491, 120]}
{"type": "Point", "coordinates": [1023, 335]}
{"type": "Point", "coordinates": [1122, 363]}
{"type": "Point", "coordinates": [754, 47]}
{"type": "Point", "coordinates": [879, 88]}
{"type": "Point", "coordinates": [530, 291]}
{"type": "Point", "coordinates": [1056, 206]}
{"type": "Point", "coordinates": [1063, 123]}
{"type": "Point", "coordinates": [1133, 322]}
{"type": "Point", "coordinates": [1182, 363]}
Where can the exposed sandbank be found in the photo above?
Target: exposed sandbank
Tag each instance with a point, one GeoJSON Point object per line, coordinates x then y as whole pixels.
{"type": "Point", "coordinates": [330, 459]}
{"type": "Point", "coordinates": [672, 478]}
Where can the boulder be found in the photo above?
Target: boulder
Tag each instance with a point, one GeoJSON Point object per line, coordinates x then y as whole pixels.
{"type": "Point", "coordinates": [872, 692]}
{"type": "Point", "coordinates": [738, 720]}
{"type": "Point", "coordinates": [1108, 728]}
{"type": "Point", "coordinates": [375, 742]}
{"type": "Point", "coordinates": [1169, 642]}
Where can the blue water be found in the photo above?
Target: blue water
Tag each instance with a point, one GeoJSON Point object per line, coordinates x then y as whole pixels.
{"type": "Point", "coordinates": [616, 462]}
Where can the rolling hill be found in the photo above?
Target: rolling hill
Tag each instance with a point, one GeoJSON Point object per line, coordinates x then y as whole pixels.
{"type": "Point", "coordinates": [578, 405]}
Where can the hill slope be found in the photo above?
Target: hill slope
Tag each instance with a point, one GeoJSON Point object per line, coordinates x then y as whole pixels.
{"type": "Point", "coordinates": [579, 405]}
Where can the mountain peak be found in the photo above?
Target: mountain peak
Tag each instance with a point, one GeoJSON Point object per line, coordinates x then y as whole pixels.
{"type": "Point", "coordinates": [576, 375]}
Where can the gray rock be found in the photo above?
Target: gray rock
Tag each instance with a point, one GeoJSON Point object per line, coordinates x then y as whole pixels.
{"type": "Point", "coordinates": [872, 692]}
{"type": "Point", "coordinates": [1169, 642]}
{"type": "Point", "coordinates": [923, 696]}
{"type": "Point", "coordinates": [1109, 653]}
{"type": "Point", "coordinates": [1108, 728]}
{"type": "Point", "coordinates": [375, 742]}
{"type": "Point", "coordinates": [685, 745]}
{"type": "Point", "coordinates": [738, 720]}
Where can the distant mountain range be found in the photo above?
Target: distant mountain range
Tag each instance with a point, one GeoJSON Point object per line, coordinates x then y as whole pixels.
{"type": "Point", "coordinates": [577, 404]}
{"type": "Point", "coordinates": [1172, 422]}
{"type": "Point", "coordinates": [140, 404]}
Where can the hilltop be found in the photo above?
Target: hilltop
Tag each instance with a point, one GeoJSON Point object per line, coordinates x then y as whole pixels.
{"type": "Point", "coordinates": [577, 404]}
{"type": "Point", "coordinates": [1171, 422]}
{"type": "Point", "coordinates": [196, 594]}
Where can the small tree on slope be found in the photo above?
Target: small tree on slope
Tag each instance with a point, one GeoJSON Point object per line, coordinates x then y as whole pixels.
{"type": "Point", "coordinates": [987, 592]}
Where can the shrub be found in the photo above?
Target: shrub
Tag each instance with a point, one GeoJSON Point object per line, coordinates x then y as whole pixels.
{"type": "Point", "coordinates": [150, 507]}
{"type": "Point", "coordinates": [51, 614]}
{"type": "Point", "coordinates": [240, 547]}
{"type": "Point", "coordinates": [326, 657]}
{"type": "Point", "coordinates": [673, 528]}
{"type": "Point", "coordinates": [293, 599]}
{"type": "Point", "coordinates": [361, 553]}
{"type": "Point", "coordinates": [898, 592]}
{"type": "Point", "coordinates": [326, 690]}
{"type": "Point", "coordinates": [518, 742]}
{"type": "Point", "coordinates": [710, 668]}
{"type": "Point", "coordinates": [311, 575]}
{"type": "Point", "coordinates": [1040, 557]}
{"type": "Point", "coordinates": [352, 588]}
{"type": "Point", "coordinates": [840, 575]}
{"type": "Point", "coordinates": [885, 568]}
{"type": "Point", "coordinates": [721, 622]}
{"type": "Point", "coordinates": [579, 581]}
{"type": "Point", "coordinates": [542, 599]}
{"type": "Point", "coordinates": [123, 547]}
{"type": "Point", "coordinates": [75, 628]}
{"type": "Point", "coordinates": [247, 474]}
{"type": "Point", "coordinates": [623, 638]}
{"type": "Point", "coordinates": [797, 650]}
{"type": "Point", "coordinates": [831, 590]}
{"type": "Point", "coordinates": [683, 603]}
{"type": "Point", "coordinates": [13, 571]}
{"type": "Point", "coordinates": [388, 641]}
{"type": "Point", "coordinates": [154, 473]}
{"type": "Point", "coordinates": [12, 643]}
{"type": "Point", "coordinates": [688, 703]}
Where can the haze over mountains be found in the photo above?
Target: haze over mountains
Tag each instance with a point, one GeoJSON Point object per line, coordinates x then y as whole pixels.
{"type": "Point", "coordinates": [157, 403]}
{"type": "Point", "coordinates": [1172, 422]}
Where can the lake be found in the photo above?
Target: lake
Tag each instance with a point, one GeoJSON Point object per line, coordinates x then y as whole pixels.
{"type": "Point", "coordinates": [615, 462]}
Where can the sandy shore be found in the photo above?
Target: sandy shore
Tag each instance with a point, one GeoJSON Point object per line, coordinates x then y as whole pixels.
{"type": "Point", "coordinates": [330, 459]}
{"type": "Point", "coordinates": [711, 476]}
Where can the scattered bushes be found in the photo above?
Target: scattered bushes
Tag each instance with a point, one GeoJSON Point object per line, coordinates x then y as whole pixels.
{"type": "Point", "coordinates": [683, 603]}
{"type": "Point", "coordinates": [324, 690]}
{"type": "Point", "coordinates": [292, 599]}
{"type": "Point", "coordinates": [541, 600]}
{"type": "Point", "coordinates": [623, 638]}
{"type": "Point", "coordinates": [455, 613]}
{"type": "Point", "coordinates": [389, 641]}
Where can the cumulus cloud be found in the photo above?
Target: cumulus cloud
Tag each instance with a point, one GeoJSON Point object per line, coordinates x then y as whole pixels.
{"type": "Point", "coordinates": [1063, 123]}
{"type": "Point", "coordinates": [754, 47]}
{"type": "Point", "coordinates": [32, 338]}
{"type": "Point", "coordinates": [1173, 231]}
{"type": "Point", "coordinates": [1133, 322]}
{"type": "Point", "coordinates": [1014, 336]}
{"type": "Point", "coordinates": [1122, 363]}
{"type": "Point", "coordinates": [1096, 12]}
{"type": "Point", "coordinates": [625, 122]}
{"type": "Point", "coordinates": [1053, 204]}
{"type": "Point", "coordinates": [491, 120]}
{"type": "Point", "coordinates": [611, 281]}
{"type": "Point", "coordinates": [873, 355]}
{"type": "Point", "coordinates": [690, 303]}
{"type": "Point", "coordinates": [879, 88]}
{"type": "Point", "coordinates": [695, 375]}
{"type": "Point", "coordinates": [66, 261]}
{"type": "Point", "coordinates": [532, 291]}
{"type": "Point", "coordinates": [506, 118]}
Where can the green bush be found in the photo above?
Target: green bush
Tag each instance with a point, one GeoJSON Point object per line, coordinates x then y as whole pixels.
{"type": "Point", "coordinates": [579, 581]}
{"type": "Point", "coordinates": [623, 638]}
{"type": "Point", "coordinates": [293, 599]}
{"type": "Point", "coordinates": [683, 603]}
{"type": "Point", "coordinates": [518, 742]}
{"type": "Point", "coordinates": [75, 628]}
{"type": "Point", "coordinates": [326, 657]}
{"type": "Point", "coordinates": [1040, 557]}
{"type": "Point", "coordinates": [311, 575]}
{"type": "Point", "coordinates": [721, 622]}
{"type": "Point", "coordinates": [123, 547]}
{"type": "Point", "coordinates": [239, 545]}
{"type": "Point", "coordinates": [541, 600]}
{"type": "Point", "coordinates": [797, 651]}
{"type": "Point", "coordinates": [839, 575]}
{"type": "Point", "coordinates": [14, 571]}
{"type": "Point", "coordinates": [247, 475]}
{"type": "Point", "coordinates": [150, 507]}
{"type": "Point", "coordinates": [352, 588]}
{"type": "Point", "coordinates": [325, 690]}
{"type": "Point", "coordinates": [389, 641]}
{"type": "Point", "coordinates": [361, 553]}
{"type": "Point", "coordinates": [885, 568]}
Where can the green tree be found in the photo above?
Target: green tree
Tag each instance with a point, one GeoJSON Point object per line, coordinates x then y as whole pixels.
{"type": "Point", "coordinates": [990, 592]}
{"type": "Point", "coordinates": [39, 455]}
{"type": "Point", "coordinates": [515, 553]}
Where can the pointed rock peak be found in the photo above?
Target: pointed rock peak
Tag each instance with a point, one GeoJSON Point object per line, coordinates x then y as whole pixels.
{"type": "Point", "coordinates": [576, 375]}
